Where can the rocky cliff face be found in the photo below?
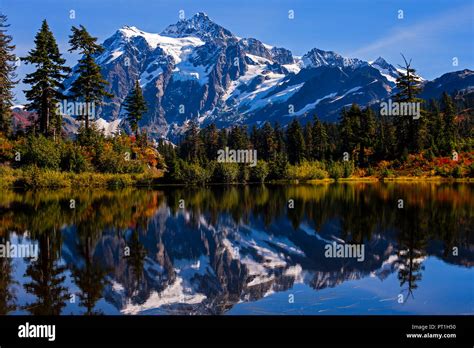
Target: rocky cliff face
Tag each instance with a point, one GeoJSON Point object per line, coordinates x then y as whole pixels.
{"type": "Point", "coordinates": [198, 70]}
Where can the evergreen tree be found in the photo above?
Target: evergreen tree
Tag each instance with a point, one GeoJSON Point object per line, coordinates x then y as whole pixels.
{"type": "Point", "coordinates": [211, 141]}
{"type": "Point", "coordinates": [385, 143]}
{"type": "Point", "coordinates": [449, 118]}
{"type": "Point", "coordinates": [349, 128]}
{"type": "Point", "coordinates": [7, 295]}
{"type": "Point", "coordinates": [89, 85]}
{"type": "Point", "coordinates": [223, 139]}
{"type": "Point", "coordinates": [89, 276]}
{"type": "Point", "coordinates": [191, 148]}
{"type": "Point", "coordinates": [238, 138]}
{"type": "Point", "coordinates": [295, 142]}
{"type": "Point", "coordinates": [366, 133]}
{"type": "Point", "coordinates": [435, 128]}
{"type": "Point", "coordinates": [255, 138]}
{"type": "Point", "coordinates": [269, 144]}
{"type": "Point", "coordinates": [278, 165]}
{"type": "Point", "coordinates": [421, 136]}
{"type": "Point", "coordinates": [279, 138]}
{"type": "Point", "coordinates": [335, 147]}
{"type": "Point", "coordinates": [173, 167]}
{"type": "Point", "coordinates": [135, 106]}
{"type": "Point", "coordinates": [410, 131]}
{"type": "Point", "coordinates": [7, 75]}
{"type": "Point", "coordinates": [46, 80]}
{"type": "Point", "coordinates": [320, 140]}
{"type": "Point", "coordinates": [412, 241]}
{"type": "Point", "coordinates": [47, 277]}
{"type": "Point", "coordinates": [308, 138]}
{"type": "Point", "coordinates": [136, 262]}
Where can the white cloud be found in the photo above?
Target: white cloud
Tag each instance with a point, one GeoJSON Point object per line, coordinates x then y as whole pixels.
{"type": "Point", "coordinates": [425, 29]}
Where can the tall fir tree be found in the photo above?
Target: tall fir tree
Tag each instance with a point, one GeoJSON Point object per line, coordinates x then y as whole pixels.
{"type": "Point", "coordinates": [410, 131]}
{"type": "Point", "coordinates": [135, 106]}
{"type": "Point", "coordinates": [88, 274]}
{"type": "Point", "coordinates": [269, 145]}
{"type": "Point", "coordinates": [192, 147]}
{"type": "Point", "coordinates": [320, 140]}
{"type": "Point", "coordinates": [308, 138]}
{"type": "Point", "coordinates": [349, 126]}
{"type": "Point", "coordinates": [211, 141]}
{"type": "Point", "coordinates": [47, 277]}
{"type": "Point", "coordinates": [366, 133]}
{"type": "Point", "coordinates": [238, 138]}
{"type": "Point", "coordinates": [255, 137]}
{"type": "Point", "coordinates": [385, 143]}
{"type": "Point", "coordinates": [8, 296]}
{"type": "Point", "coordinates": [435, 128]}
{"type": "Point", "coordinates": [449, 120]}
{"type": "Point", "coordinates": [279, 138]}
{"type": "Point", "coordinates": [295, 142]}
{"type": "Point", "coordinates": [89, 85]}
{"type": "Point", "coordinates": [46, 81]}
{"type": "Point", "coordinates": [7, 75]}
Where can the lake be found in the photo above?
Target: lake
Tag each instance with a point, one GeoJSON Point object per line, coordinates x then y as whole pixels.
{"type": "Point", "coordinates": [260, 250]}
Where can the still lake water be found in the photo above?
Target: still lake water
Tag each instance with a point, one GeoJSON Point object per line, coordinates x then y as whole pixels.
{"type": "Point", "coordinates": [240, 250]}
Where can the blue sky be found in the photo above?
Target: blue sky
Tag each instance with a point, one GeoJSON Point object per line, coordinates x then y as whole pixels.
{"type": "Point", "coordinates": [432, 32]}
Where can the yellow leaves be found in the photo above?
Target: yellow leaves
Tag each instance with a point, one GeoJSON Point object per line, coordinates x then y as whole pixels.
{"type": "Point", "coordinates": [383, 164]}
{"type": "Point", "coordinates": [6, 148]}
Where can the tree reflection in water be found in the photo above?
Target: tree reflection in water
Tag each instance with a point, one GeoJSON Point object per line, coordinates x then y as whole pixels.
{"type": "Point", "coordinates": [228, 243]}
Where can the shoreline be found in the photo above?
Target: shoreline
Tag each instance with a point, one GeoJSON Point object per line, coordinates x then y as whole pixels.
{"type": "Point", "coordinates": [18, 179]}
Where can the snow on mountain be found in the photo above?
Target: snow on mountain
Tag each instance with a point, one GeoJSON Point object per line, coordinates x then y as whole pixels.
{"type": "Point", "coordinates": [179, 50]}
{"type": "Point", "coordinates": [312, 105]}
{"type": "Point", "coordinates": [173, 47]}
{"type": "Point", "coordinates": [316, 58]}
{"type": "Point", "coordinates": [108, 128]}
{"type": "Point", "coordinates": [387, 70]}
{"type": "Point", "coordinates": [196, 69]}
{"type": "Point", "coordinates": [253, 85]}
{"type": "Point", "coordinates": [201, 26]}
{"type": "Point", "coordinates": [176, 293]}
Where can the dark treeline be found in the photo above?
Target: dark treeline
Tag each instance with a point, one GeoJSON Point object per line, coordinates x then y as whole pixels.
{"type": "Point", "coordinates": [362, 138]}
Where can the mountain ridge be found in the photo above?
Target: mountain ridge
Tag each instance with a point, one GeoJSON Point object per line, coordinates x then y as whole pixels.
{"type": "Point", "coordinates": [197, 70]}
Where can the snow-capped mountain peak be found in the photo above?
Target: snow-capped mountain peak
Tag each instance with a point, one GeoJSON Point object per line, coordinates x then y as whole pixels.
{"type": "Point", "coordinates": [387, 70]}
{"type": "Point", "coordinates": [199, 25]}
{"type": "Point", "coordinates": [316, 58]}
{"type": "Point", "coordinates": [381, 62]}
{"type": "Point", "coordinates": [155, 40]}
{"type": "Point", "coordinates": [197, 70]}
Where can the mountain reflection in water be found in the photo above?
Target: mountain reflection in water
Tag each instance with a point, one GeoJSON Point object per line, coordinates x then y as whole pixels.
{"type": "Point", "coordinates": [240, 250]}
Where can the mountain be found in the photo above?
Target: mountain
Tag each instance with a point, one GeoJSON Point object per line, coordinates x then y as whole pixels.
{"type": "Point", "coordinates": [198, 70]}
{"type": "Point", "coordinates": [387, 70]}
{"type": "Point", "coordinates": [22, 120]}
{"type": "Point", "coordinates": [457, 81]}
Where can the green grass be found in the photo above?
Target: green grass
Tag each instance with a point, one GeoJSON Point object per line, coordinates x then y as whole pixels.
{"type": "Point", "coordinates": [33, 177]}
